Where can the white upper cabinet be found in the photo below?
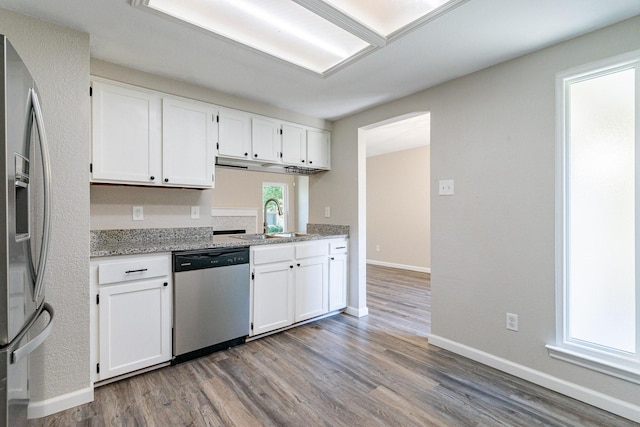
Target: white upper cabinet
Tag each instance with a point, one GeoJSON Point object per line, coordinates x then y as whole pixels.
{"type": "Point", "coordinates": [234, 139]}
{"type": "Point", "coordinates": [304, 147]}
{"type": "Point", "coordinates": [144, 137]}
{"type": "Point", "coordinates": [265, 139]}
{"type": "Point", "coordinates": [141, 137]}
{"type": "Point", "coordinates": [318, 149]}
{"type": "Point", "coordinates": [127, 140]}
{"type": "Point", "coordinates": [294, 145]}
{"type": "Point", "coordinates": [190, 132]}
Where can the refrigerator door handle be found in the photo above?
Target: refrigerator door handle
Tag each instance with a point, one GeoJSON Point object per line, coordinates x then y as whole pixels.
{"type": "Point", "coordinates": [27, 348]}
{"type": "Point", "coordinates": [46, 193]}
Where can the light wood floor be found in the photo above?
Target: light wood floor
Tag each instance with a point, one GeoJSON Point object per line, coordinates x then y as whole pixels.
{"type": "Point", "coordinates": [342, 371]}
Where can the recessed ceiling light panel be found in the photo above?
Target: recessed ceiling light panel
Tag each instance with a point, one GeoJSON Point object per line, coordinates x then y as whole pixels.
{"type": "Point", "coordinates": [280, 28]}
{"type": "Point", "coordinates": [387, 16]}
{"type": "Point", "coordinates": [318, 35]}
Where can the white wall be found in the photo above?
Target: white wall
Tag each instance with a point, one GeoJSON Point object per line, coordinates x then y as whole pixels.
{"type": "Point", "coordinates": [58, 59]}
{"type": "Point", "coordinates": [188, 90]}
{"type": "Point", "coordinates": [493, 132]}
{"type": "Point", "coordinates": [398, 209]}
{"type": "Point", "coordinates": [111, 206]}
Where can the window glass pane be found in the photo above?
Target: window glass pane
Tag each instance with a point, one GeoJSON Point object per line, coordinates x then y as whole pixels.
{"type": "Point", "coordinates": [276, 221]}
{"type": "Point", "coordinates": [601, 212]}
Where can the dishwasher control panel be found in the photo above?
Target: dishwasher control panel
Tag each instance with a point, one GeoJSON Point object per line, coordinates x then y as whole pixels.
{"type": "Point", "coordinates": [196, 260]}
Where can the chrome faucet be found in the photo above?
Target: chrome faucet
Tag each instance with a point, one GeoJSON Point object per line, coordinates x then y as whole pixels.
{"type": "Point", "coordinates": [265, 211]}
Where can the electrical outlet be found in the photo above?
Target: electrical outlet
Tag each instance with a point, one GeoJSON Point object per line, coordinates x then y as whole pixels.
{"type": "Point", "coordinates": [195, 212]}
{"type": "Point", "coordinates": [327, 212]}
{"type": "Point", "coordinates": [138, 213]}
{"type": "Point", "coordinates": [377, 248]}
{"type": "Point", "coordinates": [512, 322]}
{"type": "Point", "coordinates": [445, 187]}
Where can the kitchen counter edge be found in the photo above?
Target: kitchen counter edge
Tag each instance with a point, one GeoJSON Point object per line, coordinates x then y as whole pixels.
{"type": "Point", "coordinates": [220, 241]}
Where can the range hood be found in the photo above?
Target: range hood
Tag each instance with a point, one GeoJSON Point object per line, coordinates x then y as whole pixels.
{"type": "Point", "coordinates": [256, 166]}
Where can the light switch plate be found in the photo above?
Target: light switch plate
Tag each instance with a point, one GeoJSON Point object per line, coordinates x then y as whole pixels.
{"type": "Point", "coordinates": [445, 187]}
{"type": "Point", "coordinates": [138, 213]}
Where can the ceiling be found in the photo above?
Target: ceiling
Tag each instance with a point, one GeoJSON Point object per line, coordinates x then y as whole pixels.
{"type": "Point", "coordinates": [399, 133]}
{"type": "Point", "coordinates": [474, 35]}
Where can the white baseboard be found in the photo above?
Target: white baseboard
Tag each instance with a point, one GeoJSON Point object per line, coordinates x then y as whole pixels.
{"type": "Point", "coordinates": [587, 395]}
{"type": "Point", "coordinates": [357, 312]}
{"type": "Point", "coordinates": [400, 266]}
{"type": "Point", "coordinates": [59, 403]}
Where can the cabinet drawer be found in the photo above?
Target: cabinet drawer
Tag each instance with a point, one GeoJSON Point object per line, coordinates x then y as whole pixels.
{"type": "Point", "coordinates": [338, 247]}
{"type": "Point", "coordinates": [275, 253]}
{"type": "Point", "coordinates": [124, 271]}
{"type": "Point", "coordinates": [311, 249]}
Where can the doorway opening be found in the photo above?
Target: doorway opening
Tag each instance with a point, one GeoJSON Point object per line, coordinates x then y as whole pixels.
{"type": "Point", "coordinates": [394, 195]}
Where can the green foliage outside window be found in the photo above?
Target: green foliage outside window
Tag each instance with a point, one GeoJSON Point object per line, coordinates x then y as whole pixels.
{"type": "Point", "coordinates": [275, 222]}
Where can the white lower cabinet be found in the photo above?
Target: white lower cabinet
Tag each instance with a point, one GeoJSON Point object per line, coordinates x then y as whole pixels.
{"type": "Point", "coordinates": [133, 313]}
{"type": "Point", "coordinates": [312, 281]}
{"type": "Point", "coordinates": [338, 261]}
{"type": "Point", "coordinates": [272, 288]}
{"type": "Point", "coordinates": [273, 297]}
{"type": "Point", "coordinates": [294, 282]}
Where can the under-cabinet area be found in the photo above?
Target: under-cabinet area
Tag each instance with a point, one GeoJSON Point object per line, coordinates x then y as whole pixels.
{"type": "Point", "coordinates": [150, 138]}
{"type": "Point", "coordinates": [138, 299]}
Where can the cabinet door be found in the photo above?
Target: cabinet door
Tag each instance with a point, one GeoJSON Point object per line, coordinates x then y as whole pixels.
{"type": "Point", "coordinates": [272, 297]}
{"type": "Point", "coordinates": [318, 149]}
{"type": "Point", "coordinates": [234, 134]}
{"type": "Point", "coordinates": [265, 139]}
{"type": "Point", "coordinates": [294, 145]}
{"type": "Point", "coordinates": [311, 288]}
{"type": "Point", "coordinates": [189, 132]}
{"type": "Point", "coordinates": [135, 326]}
{"type": "Point", "coordinates": [126, 134]}
{"type": "Point", "coordinates": [337, 282]}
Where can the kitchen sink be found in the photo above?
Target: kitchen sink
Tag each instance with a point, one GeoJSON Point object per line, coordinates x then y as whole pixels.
{"type": "Point", "coordinates": [290, 234]}
{"type": "Point", "coordinates": [251, 236]}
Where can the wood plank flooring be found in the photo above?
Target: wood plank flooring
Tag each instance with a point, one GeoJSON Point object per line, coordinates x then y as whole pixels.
{"type": "Point", "coordinates": [341, 371]}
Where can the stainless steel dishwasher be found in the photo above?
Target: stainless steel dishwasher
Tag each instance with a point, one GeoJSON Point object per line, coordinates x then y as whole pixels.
{"type": "Point", "coordinates": [211, 301]}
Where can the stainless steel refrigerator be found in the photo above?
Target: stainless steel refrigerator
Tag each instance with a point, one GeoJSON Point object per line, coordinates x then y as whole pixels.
{"type": "Point", "coordinates": [25, 318]}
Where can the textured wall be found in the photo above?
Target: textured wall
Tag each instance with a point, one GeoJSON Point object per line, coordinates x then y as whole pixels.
{"type": "Point", "coordinates": [493, 245]}
{"type": "Point", "coordinates": [58, 58]}
{"type": "Point", "coordinates": [398, 208]}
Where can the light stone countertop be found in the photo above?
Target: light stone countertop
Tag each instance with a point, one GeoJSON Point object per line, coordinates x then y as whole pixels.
{"type": "Point", "coordinates": [144, 241]}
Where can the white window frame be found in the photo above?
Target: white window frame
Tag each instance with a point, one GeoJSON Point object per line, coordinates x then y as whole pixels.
{"type": "Point", "coordinates": [608, 361]}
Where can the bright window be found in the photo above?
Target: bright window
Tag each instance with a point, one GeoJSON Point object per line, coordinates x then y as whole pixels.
{"type": "Point", "coordinates": [276, 218]}
{"type": "Point", "coordinates": [598, 297]}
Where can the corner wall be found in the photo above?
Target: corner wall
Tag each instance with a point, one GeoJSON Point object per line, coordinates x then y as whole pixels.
{"type": "Point", "coordinates": [58, 59]}
{"type": "Point", "coordinates": [493, 242]}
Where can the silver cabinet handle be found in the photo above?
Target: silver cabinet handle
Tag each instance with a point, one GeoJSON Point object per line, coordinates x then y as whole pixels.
{"type": "Point", "coordinates": [46, 195]}
{"type": "Point", "coordinates": [35, 342]}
